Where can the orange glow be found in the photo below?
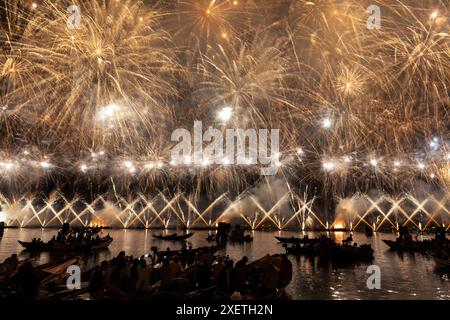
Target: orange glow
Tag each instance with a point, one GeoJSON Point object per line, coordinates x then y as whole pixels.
{"type": "Point", "coordinates": [338, 225]}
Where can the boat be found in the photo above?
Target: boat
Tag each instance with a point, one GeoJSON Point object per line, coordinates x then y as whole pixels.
{"type": "Point", "coordinates": [308, 250]}
{"type": "Point", "coordinates": [282, 265]}
{"type": "Point", "coordinates": [349, 253]}
{"type": "Point", "coordinates": [64, 246]}
{"type": "Point", "coordinates": [294, 240]}
{"type": "Point", "coordinates": [35, 246]}
{"type": "Point", "coordinates": [174, 237]}
{"type": "Point", "coordinates": [200, 294]}
{"type": "Point", "coordinates": [96, 244]}
{"type": "Point", "coordinates": [58, 266]}
{"type": "Point", "coordinates": [330, 250]}
{"type": "Point", "coordinates": [102, 244]}
{"type": "Point", "coordinates": [411, 246]}
{"type": "Point", "coordinates": [55, 270]}
{"type": "Point", "coordinates": [87, 230]}
{"type": "Point", "coordinates": [187, 254]}
{"type": "Point", "coordinates": [6, 269]}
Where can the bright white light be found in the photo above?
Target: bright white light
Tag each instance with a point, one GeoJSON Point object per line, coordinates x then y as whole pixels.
{"type": "Point", "coordinates": [434, 144]}
{"type": "Point", "coordinates": [432, 176]}
{"type": "Point", "coordinates": [2, 216]}
{"type": "Point", "coordinates": [374, 162]}
{"type": "Point", "coordinates": [397, 163]}
{"type": "Point", "coordinates": [187, 160]}
{"type": "Point", "coordinates": [421, 166]}
{"type": "Point", "coordinates": [205, 162]}
{"type": "Point", "coordinates": [225, 114]}
{"type": "Point", "coordinates": [108, 111]}
{"type": "Point", "coordinates": [327, 123]}
{"type": "Point", "coordinates": [83, 167]}
{"type": "Point", "coordinates": [434, 15]}
{"type": "Point", "coordinates": [300, 151]}
{"type": "Point", "coordinates": [226, 161]}
{"type": "Point", "coordinates": [150, 165]}
{"type": "Point", "coordinates": [128, 164]}
{"type": "Point", "coordinates": [159, 164]}
{"type": "Point", "coordinates": [347, 159]}
{"type": "Point", "coordinates": [45, 165]}
{"type": "Point", "coordinates": [329, 165]}
{"type": "Point", "coordinates": [7, 165]}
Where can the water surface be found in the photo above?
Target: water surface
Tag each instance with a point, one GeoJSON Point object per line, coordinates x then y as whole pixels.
{"type": "Point", "coordinates": [403, 276]}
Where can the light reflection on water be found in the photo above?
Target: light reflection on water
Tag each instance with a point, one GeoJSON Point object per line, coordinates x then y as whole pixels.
{"type": "Point", "coordinates": [403, 276]}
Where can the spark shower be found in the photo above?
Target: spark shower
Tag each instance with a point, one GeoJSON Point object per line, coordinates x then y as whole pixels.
{"type": "Point", "coordinates": [181, 211]}
{"type": "Point", "coordinates": [91, 97]}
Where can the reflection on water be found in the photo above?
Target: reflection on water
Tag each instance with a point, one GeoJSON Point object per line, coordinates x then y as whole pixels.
{"type": "Point", "coordinates": [403, 276]}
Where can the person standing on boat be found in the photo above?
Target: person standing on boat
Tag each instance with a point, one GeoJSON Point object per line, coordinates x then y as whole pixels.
{"type": "Point", "coordinates": [143, 279]}
{"type": "Point", "coordinates": [240, 270]}
{"type": "Point", "coordinates": [269, 281]}
{"type": "Point", "coordinates": [27, 281]}
{"type": "Point", "coordinates": [217, 269]}
{"type": "Point", "coordinates": [227, 279]}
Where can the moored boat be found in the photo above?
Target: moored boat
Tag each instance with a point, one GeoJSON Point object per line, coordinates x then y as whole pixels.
{"type": "Point", "coordinates": [308, 250]}
{"type": "Point", "coordinates": [330, 250]}
{"type": "Point", "coordinates": [349, 253]}
{"type": "Point", "coordinates": [294, 240]}
{"type": "Point", "coordinates": [283, 267]}
{"type": "Point", "coordinates": [411, 246]}
{"type": "Point", "coordinates": [174, 237]}
{"type": "Point", "coordinates": [35, 246]}
{"type": "Point", "coordinates": [101, 244]}
{"type": "Point", "coordinates": [187, 254]}
{"type": "Point", "coordinates": [75, 246]}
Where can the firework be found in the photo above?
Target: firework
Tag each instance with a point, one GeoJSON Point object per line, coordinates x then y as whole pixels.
{"type": "Point", "coordinates": [105, 84]}
{"type": "Point", "coordinates": [361, 104]}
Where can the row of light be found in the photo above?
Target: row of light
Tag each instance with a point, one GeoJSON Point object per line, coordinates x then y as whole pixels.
{"type": "Point", "coordinates": [224, 115]}
{"type": "Point", "coordinates": [329, 165]}
{"type": "Point", "coordinates": [334, 165]}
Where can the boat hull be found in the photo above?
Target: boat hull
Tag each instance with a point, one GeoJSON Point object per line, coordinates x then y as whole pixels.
{"type": "Point", "coordinates": [65, 247]}
{"type": "Point", "coordinates": [174, 238]}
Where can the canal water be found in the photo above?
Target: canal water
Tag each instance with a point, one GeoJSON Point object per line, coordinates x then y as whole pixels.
{"type": "Point", "coordinates": [403, 276]}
